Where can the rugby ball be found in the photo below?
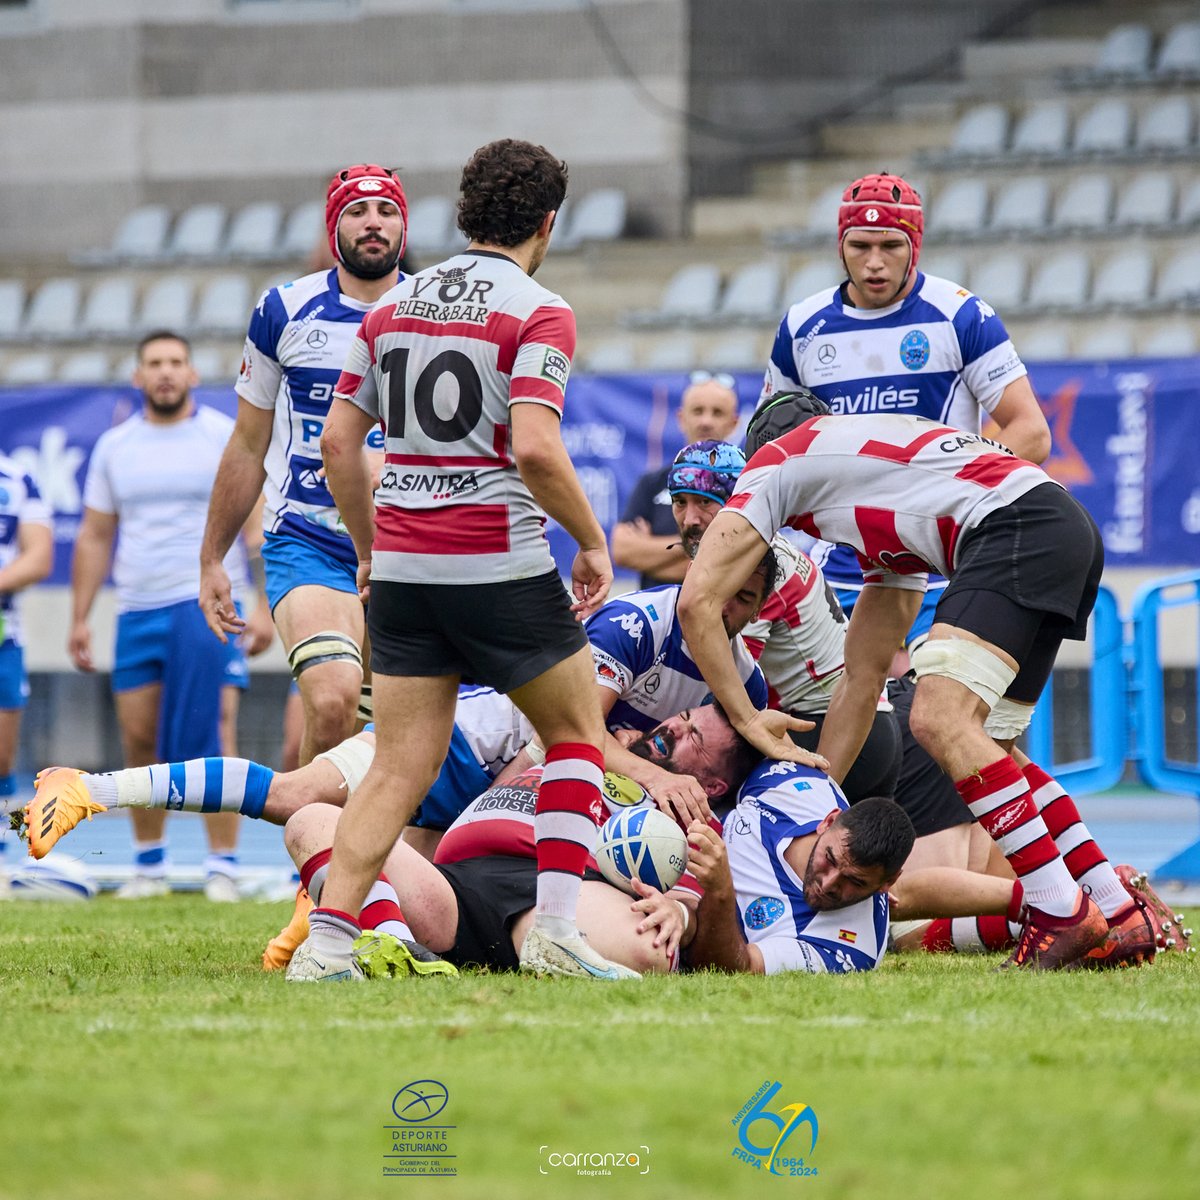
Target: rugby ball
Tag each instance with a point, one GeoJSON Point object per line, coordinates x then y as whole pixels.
{"type": "Point", "coordinates": [641, 843]}
{"type": "Point", "coordinates": [55, 877]}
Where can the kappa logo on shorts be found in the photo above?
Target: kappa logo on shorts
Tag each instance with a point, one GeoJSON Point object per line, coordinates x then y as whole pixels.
{"type": "Point", "coordinates": [556, 366]}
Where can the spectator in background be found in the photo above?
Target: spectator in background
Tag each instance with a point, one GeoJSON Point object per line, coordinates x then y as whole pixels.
{"type": "Point", "coordinates": [646, 540]}
{"type": "Point", "coordinates": [148, 486]}
{"type": "Point", "coordinates": [26, 556]}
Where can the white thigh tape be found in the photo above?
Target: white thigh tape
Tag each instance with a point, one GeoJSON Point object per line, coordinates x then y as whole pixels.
{"type": "Point", "coordinates": [1008, 719]}
{"type": "Point", "coordinates": [352, 758]}
{"type": "Point", "coordinates": [965, 662]}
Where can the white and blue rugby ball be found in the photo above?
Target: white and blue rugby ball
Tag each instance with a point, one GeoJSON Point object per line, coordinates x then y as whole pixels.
{"type": "Point", "coordinates": [55, 877]}
{"type": "Point", "coordinates": [641, 843]}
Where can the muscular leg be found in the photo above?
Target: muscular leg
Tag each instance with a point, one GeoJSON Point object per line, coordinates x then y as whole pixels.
{"type": "Point", "coordinates": [222, 827]}
{"type": "Point", "coordinates": [329, 691]}
{"type": "Point", "coordinates": [137, 715]}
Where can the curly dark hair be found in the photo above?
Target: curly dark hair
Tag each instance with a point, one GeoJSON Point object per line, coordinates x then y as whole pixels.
{"type": "Point", "coordinates": [507, 189]}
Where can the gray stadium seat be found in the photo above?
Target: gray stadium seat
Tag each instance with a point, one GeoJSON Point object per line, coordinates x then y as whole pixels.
{"type": "Point", "coordinates": [1125, 52]}
{"type": "Point", "coordinates": [675, 352]}
{"type": "Point", "coordinates": [12, 305]}
{"type": "Point", "coordinates": [945, 264]}
{"type": "Point", "coordinates": [1106, 128]}
{"type": "Point", "coordinates": [84, 366]}
{"type": "Point", "coordinates": [1001, 282]}
{"type": "Point", "coordinates": [752, 295]}
{"type": "Point", "coordinates": [1044, 343]}
{"type": "Point", "coordinates": [254, 233]}
{"type": "Point", "coordinates": [108, 312]}
{"type": "Point", "coordinates": [224, 306]}
{"type": "Point", "coordinates": [1179, 280]}
{"type": "Point", "coordinates": [304, 231]}
{"type": "Point", "coordinates": [1176, 339]}
{"type": "Point", "coordinates": [1060, 281]}
{"type": "Point", "coordinates": [1106, 342]}
{"type": "Point", "coordinates": [54, 311]}
{"type": "Point", "coordinates": [1125, 280]}
{"type": "Point", "coordinates": [197, 234]}
{"type": "Point", "coordinates": [982, 132]}
{"type": "Point", "coordinates": [430, 221]}
{"type": "Point", "coordinates": [739, 351]}
{"type": "Point", "coordinates": [167, 304]}
{"type": "Point", "coordinates": [29, 369]}
{"type": "Point", "coordinates": [1189, 204]}
{"type": "Point", "coordinates": [1179, 54]}
{"type": "Point", "coordinates": [820, 221]}
{"type": "Point", "coordinates": [959, 210]}
{"type": "Point", "coordinates": [1167, 127]}
{"type": "Point", "coordinates": [690, 295]}
{"type": "Point", "coordinates": [1021, 206]}
{"type": "Point", "coordinates": [598, 216]}
{"type": "Point", "coordinates": [1084, 204]}
{"type": "Point", "coordinates": [123, 367]}
{"type": "Point", "coordinates": [212, 364]}
{"type": "Point", "coordinates": [814, 276]}
{"type": "Point", "coordinates": [1147, 202]}
{"type": "Point", "coordinates": [1043, 131]}
{"type": "Point", "coordinates": [612, 357]}
{"type": "Point", "coordinates": [139, 238]}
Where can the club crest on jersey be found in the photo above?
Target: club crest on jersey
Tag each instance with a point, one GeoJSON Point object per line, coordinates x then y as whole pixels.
{"type": "Point", "coordinates": [764, 911]}
{"type": "Point", "coordinates": [914, 349]}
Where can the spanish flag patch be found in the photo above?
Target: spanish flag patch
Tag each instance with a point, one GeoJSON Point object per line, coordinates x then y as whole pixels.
{"type": "Point", "coordinates": [847, 935]}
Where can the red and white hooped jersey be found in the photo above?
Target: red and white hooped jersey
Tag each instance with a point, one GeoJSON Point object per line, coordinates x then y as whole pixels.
{"type": "Point", "coordinates": [438, 361]}
{"type": "Point", "coordinates": [799, 636]}
{"type": "Point", "coordinates": [501, 821]}
{"type": "Point", "coordinates": [901, 491]}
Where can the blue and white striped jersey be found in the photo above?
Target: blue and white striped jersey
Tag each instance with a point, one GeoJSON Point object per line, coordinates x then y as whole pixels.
{"type": "Point", "coordinates": [299, 337]}
{"type": "Point", "coordinates": [640, 654]}
{"type": "Point", "coordinates": [940, 353]}
{"type": "Point", "coordinates": [20, 504]}
{"type": "Point", "coordinates": [780, 802]}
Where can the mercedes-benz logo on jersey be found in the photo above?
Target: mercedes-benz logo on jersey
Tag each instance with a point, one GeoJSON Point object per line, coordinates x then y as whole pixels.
{"type": "Point", "coordinates": [317, 338]}
{"type": "Point", "coordinates": [826, 353]}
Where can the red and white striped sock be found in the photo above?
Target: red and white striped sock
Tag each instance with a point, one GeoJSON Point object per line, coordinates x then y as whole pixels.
{"type": "Point", "coordinates": [568, 811]}
{"type": "Point", "coordinates": [1084, 858]}
{"type": "Point", "coordinates": [976, 935]}
{"type": "Point", "coordinates": [998, 797]}
{"type": "Point", "coordinates": [313, 872]}
{"type": "Point", "coordinates": [381, 911]}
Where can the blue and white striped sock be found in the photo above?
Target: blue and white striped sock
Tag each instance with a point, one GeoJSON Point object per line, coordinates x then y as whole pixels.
{"type": "Point", "coordinates": [221, 864]}
{"type": "Point", "coordinates": [150, 859]}
{"type": "Point", "coordinates": [203, 785]}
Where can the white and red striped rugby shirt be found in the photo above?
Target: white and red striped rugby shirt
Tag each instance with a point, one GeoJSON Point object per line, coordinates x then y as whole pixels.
{"type": "Point", "coordinates": [899, 490]}
{"type": "Point", "coordinates": [438, 361]}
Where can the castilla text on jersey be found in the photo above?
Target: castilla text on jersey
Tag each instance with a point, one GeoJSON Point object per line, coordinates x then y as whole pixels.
{"type": "Point", "coordinates": [876, 399]}
{"type": "Point", "coordinates": [439, 486]}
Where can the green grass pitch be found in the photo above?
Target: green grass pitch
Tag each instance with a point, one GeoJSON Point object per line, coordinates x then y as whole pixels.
{"type": "Point", "coordinates": [146, 1055]}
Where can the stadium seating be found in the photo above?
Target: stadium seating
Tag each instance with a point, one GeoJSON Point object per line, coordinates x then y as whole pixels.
{"type": "Point", "coordinates": [1084, 205]}
{"type": "Point", "coordinates": [140, 237]}
{"type": "Point", "coordinates": [303, 231]}
{"type": "Point", "coordinates": [960, 209]}
{"type": "Point", "coordinates": [1167, 128]}
{"type": "Point", "coordinates": [946, 264]}
{"type": "Point", "coordinates": [1189, 205]}
{"type": "Point", "coordinates": [1173, 340]}
{"type": "Point", "coordinates": [613, 356]}
{"type": "Point", "coordinates": [12, 305]}
{"type": "Point", "coordinates": [1021, 206]}
{"type": "Point", "coordinates": [676, 352]}
{"type": "Point", "coordinates": [738, 351]}
{"type": "Point", "coordinates": [1001, 281]}
{"type": "Point", "coordinates": [982, 132]}
{"type": "Point", "coordinates": [1124, 281]}
{"type": "Point", "coordinates": [198, 233]}
{"type": "Point", "coordinates": [430, 221]}
{"type": "Point", "coordinates": [224, 306]}
{"type": "Point", "coordinates": [1125, 54]}
{"type": "Point", "coordinates": [1044, 343]}
{"type": "Point", "coordinates": [212, 365]}
{"type": "Point", "coordinates": [819, 221]}
{"type": "Point", "coordinates": [108, 312]}
{"type": "Point", "coordinates": [1146, 202]}
{"type": "Point", "coordinates": [814, 276]}
{"type": "Point", "coordinates": [1105, 129]}
{"type": "Point", "coordinates": [1179, 280]}
{"type": "Point", "coordinates": [254, 233]}
{"type": "Point", "coordinates": [1060, 281]}
{"type": "Point", "coordinates": [690, 296]}
{"type": "Point", "coordinates": [1179, 55]}
{"type": "Point", "coordinates": [1042, 131]}
{"type": "Point", "coordinates": [598, 216]}
{"type": "Point", "coordinates": [84, 366]}
{"type": "Point", "coordinates": [752, 294]}
{"type": "Point", "coordinates": [167, 304]}
{"type": "Point", "coordinates": [1105, 342]}
{"type": "Point", "coordinates": [28, 370]}
{"type": "Point", "coordinates": [54, 311]}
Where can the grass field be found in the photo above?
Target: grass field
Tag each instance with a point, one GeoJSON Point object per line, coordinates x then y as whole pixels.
{"type": "Point", "coordinates": [147, 1056]}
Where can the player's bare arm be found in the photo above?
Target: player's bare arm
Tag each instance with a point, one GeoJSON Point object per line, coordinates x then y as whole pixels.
{"type": "Point", "coordinates": [718, 942]}
{"type": "Point", "coordinates": [235, 492]}
{"type": "Point", "coordinates": [1023, 427]}
{"type": "Point", "coordinates": [877, 626]}
{"type": "Point", "coordinates": [35, 558]}
{"type": "Point", "coordinates": [729, 551]}
{"type": "Point", "coordinates": [547, 471]}
{"type": "Point", "coordinates": [637, 549]}
{"type": "Point", "coordinates": [89, 567]}
{"type": "Point", "coordinates": [348, 474]}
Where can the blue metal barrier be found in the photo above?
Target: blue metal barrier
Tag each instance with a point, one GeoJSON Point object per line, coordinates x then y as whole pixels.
{"type": "Point", "coordinates": [1109, 741]}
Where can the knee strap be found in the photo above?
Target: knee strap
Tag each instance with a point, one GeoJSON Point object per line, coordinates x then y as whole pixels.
{"type": "Point", "coordinates": [967, 663]}
{"type": "Point", "coordinates": [366, 706]}
{"type": "Point", "coordinates": [330, 645]}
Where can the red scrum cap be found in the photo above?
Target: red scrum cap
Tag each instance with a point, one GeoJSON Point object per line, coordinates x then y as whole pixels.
{"type": "Point", "coordinates": [883, 202]}
{"type": "Point", "coordinates": [363, 181]}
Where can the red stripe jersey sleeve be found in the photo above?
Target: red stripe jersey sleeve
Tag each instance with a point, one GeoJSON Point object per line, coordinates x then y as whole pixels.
{"type": "Point", "coordinates": [357, 380]}
{"type": "Point", "coordinates": [542, 365]}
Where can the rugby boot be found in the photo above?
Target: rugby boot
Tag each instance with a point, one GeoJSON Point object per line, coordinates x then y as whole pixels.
{"type": "Point", "coordinates": [1049, 943]}
{"type": "Point", "coordinates": [283, 945]}
{"type": "Point", "coordinates": [1170, 932]}
{"type": "Point", "coordinates": [385, 956]}
{"type": "Point", "coordinates": [61, 800]}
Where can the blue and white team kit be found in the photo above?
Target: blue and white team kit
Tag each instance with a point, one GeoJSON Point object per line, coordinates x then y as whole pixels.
{"type": "Point", "coordinates": [639, 653]}
{"type": "Point", "coordinates": [298, 340]}
{"type": "Point", "coordinates": [20, 504]}
{"type": "Point", "coordinates": [780, 802]}
{"type": "Point", "coordinates": [940, 353]}
{"type": "Point", "coordinates": [156, 479]}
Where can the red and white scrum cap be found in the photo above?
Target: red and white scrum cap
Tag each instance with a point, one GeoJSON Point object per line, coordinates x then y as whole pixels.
{"type": "Point", "coordinates": [363, 181]}
{"type": "Point", "coordinates": [883, 202]}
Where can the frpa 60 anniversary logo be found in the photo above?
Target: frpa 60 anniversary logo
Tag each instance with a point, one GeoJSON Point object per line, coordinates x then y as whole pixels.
{"type": "Point", "coordinates": [780, 1139]}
